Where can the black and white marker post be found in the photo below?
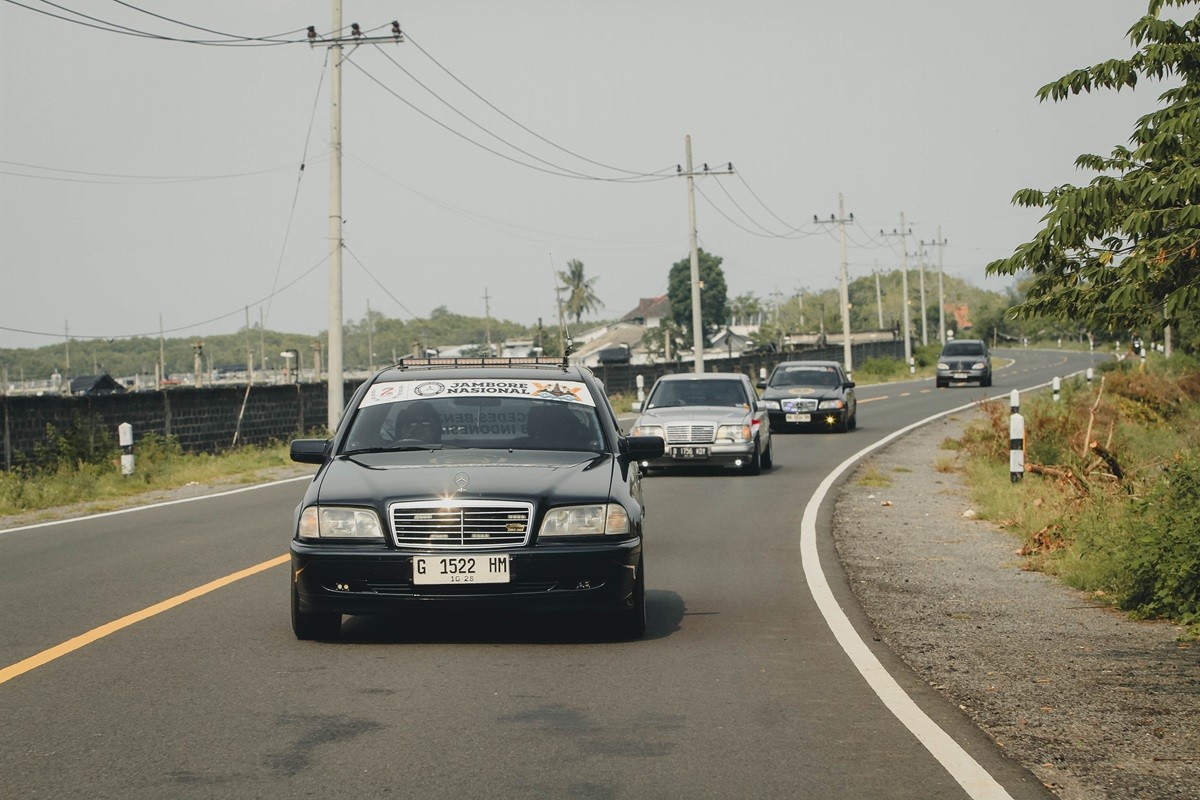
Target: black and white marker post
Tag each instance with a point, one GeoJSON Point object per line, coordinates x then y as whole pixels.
{"type": "Point", "coordinates": [125, 438]}
{"type": "Point", "coordinates": [1016, 439]}
{"type": "Point", "coordinates": [1056, 387]}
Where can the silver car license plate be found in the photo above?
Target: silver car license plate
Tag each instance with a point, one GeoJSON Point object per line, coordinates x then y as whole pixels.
{"type": "Point", "coordinates": [689, 452]}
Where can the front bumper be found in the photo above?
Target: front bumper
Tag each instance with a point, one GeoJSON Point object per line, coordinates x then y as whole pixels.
{"type": "Point", "coordinates": [379, 580]}
{"type": "Point", "coordinates": [818, 420]}
{"type": "Point", "coordinates": [962, 375]}
{"type": "Point", "coordinates": [709, 455]}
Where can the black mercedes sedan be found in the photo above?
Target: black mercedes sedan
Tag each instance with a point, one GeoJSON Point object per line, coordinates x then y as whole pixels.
{"type": "Point", "coordinates": [472, 482]}
{"type": "Point", "coordinates": [813, 395]}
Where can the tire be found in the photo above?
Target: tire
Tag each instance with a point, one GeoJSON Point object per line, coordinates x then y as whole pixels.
{"type": "Point", "coordinates": [630, 623]}
{"type": "Point", "coordinates": [943, 384]}
{"type": "Point", "coordinates": [986, 381]}
{"type": "Point", "coordinates": [768, 458]}
{"type": "Point", "coordinates": [755, 464]}
{"type": "Point", "coordinates": [854, 421]}
{"type": "Point", "coordinates": [842, 425]}
{"type": "Point", "coordinates": [319, 626]}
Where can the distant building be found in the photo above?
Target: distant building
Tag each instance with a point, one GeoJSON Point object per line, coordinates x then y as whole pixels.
{"type": "Point", "coordinates": [92, 385]}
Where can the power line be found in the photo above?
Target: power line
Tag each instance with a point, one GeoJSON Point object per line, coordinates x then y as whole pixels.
{"type": "Point", "coordinates": [130, 180]}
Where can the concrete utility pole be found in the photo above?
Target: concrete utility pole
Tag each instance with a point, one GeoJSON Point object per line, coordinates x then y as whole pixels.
{"type": "Point", "coordinates": [841, 220]}
{"type": "Point", "coordinates": [924, 313]}
{"type": "Point", "coordinates": [336, 394]}
{"type": "Point", "coordinates": [878, 296]}
{"type": "Point", "coordinates": [941, 244]}
{"type": "Point", "coordinates": [903, 234]}
{"type": "Point", "coordinates": [697, 322]}
{"type": "Point", "coordinates": [487, 320]}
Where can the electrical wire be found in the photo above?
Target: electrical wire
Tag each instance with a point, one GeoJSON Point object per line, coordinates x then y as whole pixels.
{"type": "Point", "coordinates": [371, 275]}
{"type": "Point", "coordinates": [239, 310]}
{"type": "Point", "coordinates": [533, 133]}
{"type": "Point", "coordinates": [785, 223]}
{"type": "Point", "coordinates": [557, 172]}
{"type": "Point", "coordinates": [299, 176]}
{"type": "Point", "coordinates": [130, 180]}
{"type": "Point", "coordinates": [274, 37]}
{"type": "Point", "coordinates": [112, 27]}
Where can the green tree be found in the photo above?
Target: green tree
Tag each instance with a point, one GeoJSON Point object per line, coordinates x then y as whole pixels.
{"type": "Point", "coordinates": [580, 296]}
{"type": "Point", "coordinates": [1123, 252]}
{"type": "Point", "coordinates": [745, 309]}
{"type": "Point", "coordinates": [712, 294]}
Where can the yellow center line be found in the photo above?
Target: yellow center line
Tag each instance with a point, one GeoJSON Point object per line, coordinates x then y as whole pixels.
{"type": "Point", "coordinates": [95, 634]}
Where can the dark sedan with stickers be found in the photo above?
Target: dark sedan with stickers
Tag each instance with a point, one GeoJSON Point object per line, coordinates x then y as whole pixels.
{"type": "Point", "coordinates": [810, 395]}
{"type": "Point", "coordinates": [475, 483]}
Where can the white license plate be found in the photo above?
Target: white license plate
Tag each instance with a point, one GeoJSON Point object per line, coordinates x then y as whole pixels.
{"type": "Point", "coordinates": [689, 452]}
{"type": "Point", "coordinates": [799, 417]}
{"type": "Point", "coordinates": [441, 570]}
{"type": "Point", "coordinates": [960, 376]}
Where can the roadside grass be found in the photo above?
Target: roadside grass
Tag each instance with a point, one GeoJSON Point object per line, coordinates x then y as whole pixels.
{"type": "Point", "coordinates": [1110, 500]}
{"type": "Point", "coordinates": [871, 477]}
{"type": "Point", "coordinates": [159, 465]}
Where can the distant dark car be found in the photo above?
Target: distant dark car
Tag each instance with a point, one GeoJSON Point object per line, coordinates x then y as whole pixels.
{"type": "Point", "coordinates": [707, 419]}
{"type": "Point", "coordinates": [964, 360]}
{"type": "Point", "coordinates": [810, 395]}
{"type": "Point", "coordinates": [473, 483]}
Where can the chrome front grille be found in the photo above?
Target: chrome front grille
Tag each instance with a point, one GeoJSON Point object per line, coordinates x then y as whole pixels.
{"type": "Point", "coordinates": [794, 406]}
{"type": "Point", "coordinates": [690, 434]}
{"type": "Point", "coordinates": [461, 524]}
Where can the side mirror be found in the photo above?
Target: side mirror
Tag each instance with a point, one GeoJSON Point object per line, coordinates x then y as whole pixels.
{"type": "Point", "coordinates": [642, 448]}
{"type": "Point", "coordinates": [848, 384]}
{"type": "Point", "coordinates": [309, 451]}
{"type": "Point", "coordinates": [761, 384]}
{"type": "Point", "coordinates": [636, 406]}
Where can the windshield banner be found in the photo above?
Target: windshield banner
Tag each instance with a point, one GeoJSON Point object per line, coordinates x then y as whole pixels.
{"type": "Point", "coordinates": [395, 391]}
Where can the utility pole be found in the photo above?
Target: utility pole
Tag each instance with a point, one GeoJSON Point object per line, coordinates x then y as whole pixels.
{"type": "Point", "coordinates": [162, 351]}
{"type": "Point", "coordinates": [878, 296]}
{"type": "Point", "coordinates": [487, 320]}
{"type": "Point", "coordinates": [336, 393]}
{"type": "Point", "coordinates": [697, 322]}
{"type": "Point", "coordinates": [924, 313]}
{"type": "Point", "coordinates": [941, 244]}
{"type": "Point", "coordinates": [903, 234]}
{"type": "Point", "coordinates": [841, 220]}
{"type": "Point", "coordinates": [249, 351]}
{"type": "Point", "coordinates": [370, 344]}
{"type": "Point", "coordinates": [67, 342]}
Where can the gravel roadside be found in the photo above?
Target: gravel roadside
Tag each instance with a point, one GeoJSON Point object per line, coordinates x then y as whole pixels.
{"type": "Point", "coordinates": [1096, 705]}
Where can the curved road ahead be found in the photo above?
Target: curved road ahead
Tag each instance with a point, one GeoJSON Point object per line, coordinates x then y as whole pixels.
{"type": "Point", "coordinates": [149, 655]}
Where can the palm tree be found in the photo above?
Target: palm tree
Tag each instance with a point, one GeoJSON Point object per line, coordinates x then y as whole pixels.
{"type": "Point", "coordinates": [580, 297]}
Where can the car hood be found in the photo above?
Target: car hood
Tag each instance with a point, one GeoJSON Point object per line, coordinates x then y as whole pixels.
{"type": "Point", "coordinates": [801, 392]}
{"type": "Point", "coordinates": [376, 479]}
{"type": "Point", "coordinates": [669, 414]}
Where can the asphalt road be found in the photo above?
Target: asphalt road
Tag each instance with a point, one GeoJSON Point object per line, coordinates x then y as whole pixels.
{"type": "Point", "coordinates": [740, 688]}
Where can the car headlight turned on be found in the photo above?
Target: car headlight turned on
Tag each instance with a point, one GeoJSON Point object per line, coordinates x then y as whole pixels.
{"type": "Point", "coordinates": [734, 433]}
{"type": "Point", "coordinates": [647, 430]}
{"type": "Point", "coordinates": [827, 405]}
{"type": "Point", "coordinates": [601, 519]}
{"type": "Point", "coordinates": [336, 522]}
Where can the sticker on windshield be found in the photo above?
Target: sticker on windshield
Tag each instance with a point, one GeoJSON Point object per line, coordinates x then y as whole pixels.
{"type": "Point", "coordinates": [394, 391]}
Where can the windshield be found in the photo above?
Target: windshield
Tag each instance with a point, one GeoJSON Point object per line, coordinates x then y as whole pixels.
{"type": "Point", "coordinates": [963, 349]}
{"type": "Point", "coordinates": [697, 393]}
{"type": "Point", "coordinates": [561, 417]}
{"type": "Point", "coordinates": [805, 376]}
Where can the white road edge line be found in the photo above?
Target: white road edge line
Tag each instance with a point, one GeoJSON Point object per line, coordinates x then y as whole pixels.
{"type": "Point", "coordinates": [156, 505]}
{"type": "Point", "coordinates": [968, 772]}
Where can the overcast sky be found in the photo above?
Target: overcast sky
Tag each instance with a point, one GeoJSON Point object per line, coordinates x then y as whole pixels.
{"type": "Point", "coordinates": [143, 177]}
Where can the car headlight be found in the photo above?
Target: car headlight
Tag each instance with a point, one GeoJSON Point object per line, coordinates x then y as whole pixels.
{"type": "Point", "coordinates": [825, 405]}
{"type": "Point", "coordinates": [334, 522]}
{"type": "Point", "coordinates": [770, 404]}
{"type": "Point", "coordinates": [647, 430]}
{"type": "Point", "coordinates": [736, 433]}
{"type": "Point", "coordinates": [978, 365]}
{"type": "Point", "coordinates": [943, 365]}
{"type": "Point", "coordinates": [601, 519]}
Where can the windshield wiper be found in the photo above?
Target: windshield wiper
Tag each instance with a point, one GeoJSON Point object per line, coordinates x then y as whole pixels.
{"type": "Point", "coordinates": [403, 446]}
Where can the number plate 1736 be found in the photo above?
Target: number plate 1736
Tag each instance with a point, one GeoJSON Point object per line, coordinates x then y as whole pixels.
{"type": "Point", "coordinates": [433, 570]}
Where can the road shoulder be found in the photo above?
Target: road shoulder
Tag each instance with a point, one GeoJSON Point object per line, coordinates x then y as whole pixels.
{"type": "Point", "coordinates": [1096, 705]}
